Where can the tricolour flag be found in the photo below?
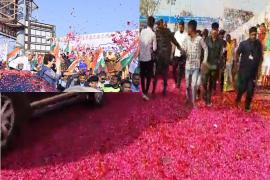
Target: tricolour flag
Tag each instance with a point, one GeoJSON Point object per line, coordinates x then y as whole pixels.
{"type": "Point", "coordinates": [100, 62]}
{"type": "Point", "coordinates": [268, 41]}
{"type": "Point", "coordinates": [55, 47]}
{"type": "Point", "coordinates": [56, 50]}
{"type": "Point", "coordinates": [126, 60]}
{"type": "Point", "coordinates": [67, 48]}
{"type": "Point", "coordinates": [73, 66]}
{"type": "Point", "coordinates": [13, 54]}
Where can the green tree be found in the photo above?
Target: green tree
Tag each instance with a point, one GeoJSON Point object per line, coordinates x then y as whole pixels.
{"type": "Point", "coordinates": [148, 7]}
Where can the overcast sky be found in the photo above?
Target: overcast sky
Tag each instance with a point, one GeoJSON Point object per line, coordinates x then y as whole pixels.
{"type": "Point", "coordinates": [213, 8]}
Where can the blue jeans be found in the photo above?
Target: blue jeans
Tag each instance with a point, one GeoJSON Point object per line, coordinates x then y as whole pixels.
{"type": "Point", "coordinates": [191, 83]}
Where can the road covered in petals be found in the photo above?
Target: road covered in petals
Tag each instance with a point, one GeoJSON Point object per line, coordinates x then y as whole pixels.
{"type": "Point", "coordinates": [128, 138]}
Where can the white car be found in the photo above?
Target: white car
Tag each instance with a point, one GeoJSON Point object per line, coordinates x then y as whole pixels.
{"type": "Point", "coordinates": [16, 108]}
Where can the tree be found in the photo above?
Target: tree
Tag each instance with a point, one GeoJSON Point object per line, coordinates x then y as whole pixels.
{"type": "Point", "coordinates": [148, 7]}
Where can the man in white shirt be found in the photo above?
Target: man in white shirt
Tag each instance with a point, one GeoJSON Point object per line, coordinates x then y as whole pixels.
{"type": "Point", "coordinates": [193, 46]}
{"type": "Point", "coordinates": [179, 58]}
{"type": "Point", "coordinates": [148, 45]}
{"type": "Point", "coordinates": [23, 62]}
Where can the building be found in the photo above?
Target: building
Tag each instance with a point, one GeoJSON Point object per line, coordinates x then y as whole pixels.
{"type": "Point", "coordinates": [38, 36]}
{"type": "Point", "coordinates": [17, 24]}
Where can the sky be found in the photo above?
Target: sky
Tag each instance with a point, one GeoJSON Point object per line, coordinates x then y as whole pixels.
{"type": "Point", "coordinates": [88, 16]}
{"type": "Point", "coordinates": [212, 8]}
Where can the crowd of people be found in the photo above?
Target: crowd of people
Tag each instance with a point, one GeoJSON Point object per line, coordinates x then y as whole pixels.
{"type": "Point", "coordinates": [264, 37]}
{"type": "Point", "coordinates": [236, 17]}
{"type": "Point", "coordinates": [70, 70]}
{"type": "Point", "coordinates": [210, 61]}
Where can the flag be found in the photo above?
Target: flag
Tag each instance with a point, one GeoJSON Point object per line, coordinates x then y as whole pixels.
{"type": "Point", "coordinates": [13, 54]}
{"type": "Point", "coordinates": [73, 66]}
{"type": "Point", "coordinates": [126, 60]}
{"type": "Point", "coordinates": [100, 63]}
{"type": "Point", "coordinates": [96, 56]}
{"type": "Point", "coordinates": [56, 50]}
{"type": "Point", "coordinates": [133, 66]}
{"type": "Point", "coordinates": [53, 45]}
{"type": "Point", "coordinates": [67, 48]}
{"type": "Point", "coordinates": [268, 41]}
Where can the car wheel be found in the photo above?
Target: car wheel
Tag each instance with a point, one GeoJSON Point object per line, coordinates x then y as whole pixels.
{"type": "Point", "coordinates": [15, 108]}
{"type": "Point", "coordinates": [7, 120]}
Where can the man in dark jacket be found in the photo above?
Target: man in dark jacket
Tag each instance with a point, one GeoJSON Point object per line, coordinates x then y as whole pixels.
{"type": "Point", "coordinates": [164, 49]}
{"type": "Point", "coordinates": [215, 53]}
{"type": "Point", "coordinates": [251, 52]}
{"type": "Point", "coordinates": [221, 64]}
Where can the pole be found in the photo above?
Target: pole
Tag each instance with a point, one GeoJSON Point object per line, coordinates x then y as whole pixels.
{"type": "Point", "coordinates": [28, 15]}
{"type": "Point", "coordinates": [170, 12]}
{"type": "Point", "coordinates": [20, 41]}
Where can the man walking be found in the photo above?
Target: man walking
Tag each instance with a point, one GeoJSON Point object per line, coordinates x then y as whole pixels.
{"type": "Point", "coordinates": [251, 52]}
{"type": "Point", "coordinates": [221, 66]}
{"type": "Point", "coordinates": [179, 58]}
{"type": "Point", "coordinates": [209, 67]}
{"type": "Point", "coordinates": [164, 40]}
{"type": "Point", "coordinates": [148, 45]}
{"type": "Point", "coordinates": [193, 46]}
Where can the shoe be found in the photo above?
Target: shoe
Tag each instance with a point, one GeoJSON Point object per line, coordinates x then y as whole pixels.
{"type": "Point", "coordinates": [248, 110]}
{"type": "Point", "coordinates": [145, 97]}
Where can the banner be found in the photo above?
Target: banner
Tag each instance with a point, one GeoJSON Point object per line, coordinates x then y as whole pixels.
{"type": "Point", "coordinates": [186, 19]}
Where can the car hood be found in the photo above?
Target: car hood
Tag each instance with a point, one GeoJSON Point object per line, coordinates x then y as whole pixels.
{"type": "Point", "coordinates": [82, 89]}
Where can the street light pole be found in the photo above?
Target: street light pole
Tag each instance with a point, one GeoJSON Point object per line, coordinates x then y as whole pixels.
{"type": "Point", "coordinates": [170, 12]}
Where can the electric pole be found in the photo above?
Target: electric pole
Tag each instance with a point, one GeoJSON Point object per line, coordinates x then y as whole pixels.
{"type": "Point", "coordinates": [21, 18]}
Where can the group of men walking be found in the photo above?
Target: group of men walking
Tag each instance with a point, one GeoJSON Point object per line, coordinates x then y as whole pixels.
{"type": "Point", "coordinates": [200, 59]}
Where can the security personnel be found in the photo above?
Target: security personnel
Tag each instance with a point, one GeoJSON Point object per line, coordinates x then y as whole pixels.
{"type": "Point", "coordinates": [164, 49]}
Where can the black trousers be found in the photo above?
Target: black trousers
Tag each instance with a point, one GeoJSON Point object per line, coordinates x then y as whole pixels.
{"type": "Point", "coordinates": [245, 83]}
{"type": "Point", "coordinates": [179, 69]}
{"type": "Point", "coordinates": [208, 84]}
{"type": "Point", "coordinates": [162, 68]}
{"type": "Point", "coordinates": [146, 72]}
{"type": "Point", "coordinates": [219, 77]}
